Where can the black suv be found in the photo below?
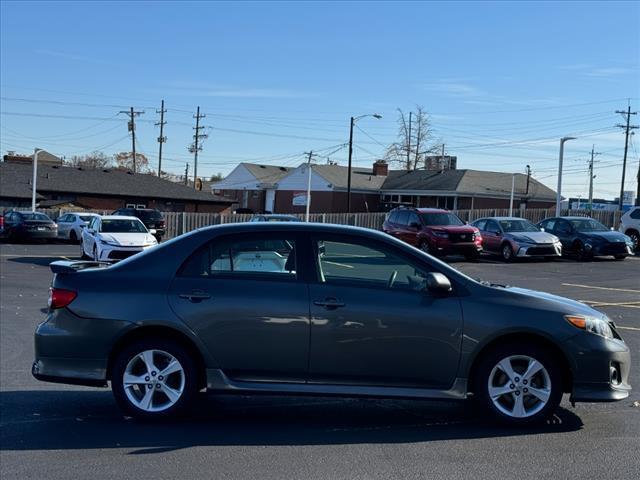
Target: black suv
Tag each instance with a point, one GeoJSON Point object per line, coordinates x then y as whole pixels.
{"type": "Point", "coordinates": [151, 218]}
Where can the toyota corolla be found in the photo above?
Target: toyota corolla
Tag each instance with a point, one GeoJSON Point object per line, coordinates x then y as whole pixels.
{"type": "Point", "coordinates": [298, 308]}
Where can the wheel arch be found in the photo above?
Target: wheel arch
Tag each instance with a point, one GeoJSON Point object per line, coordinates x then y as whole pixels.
{"type": "Point", "coordinates": [165, 333]}
{"type": "Point", "coordinates": [528, 338]}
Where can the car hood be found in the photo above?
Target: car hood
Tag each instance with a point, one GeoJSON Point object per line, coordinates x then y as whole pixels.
{"type": "Point", "coordinates": [609, 236]}
{"type": "Point", "coordinates": [555, 302]}
{"type": "Point", "coordinates": [127, 239]}
{"type": "Point", "coordinates": [454, 228]}
{"type": "Point", "coordinates": [533, 237]}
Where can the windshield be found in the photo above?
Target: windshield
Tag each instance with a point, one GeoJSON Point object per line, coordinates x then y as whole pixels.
{"type": "Point", "coordinates": [122, 226]}
{"type": "Point", "coordinates": [440, 218]}
{"type": "Point", "coordinates": [149, 215]}
{"type": "Point", "coordinates": [36, 216]}
{"type": "Point", "coordinates": [588, 225]}
{"type": "Point", "coordinates": [85, 218]}
{"type": "Point", "coordinates": [518, 226]}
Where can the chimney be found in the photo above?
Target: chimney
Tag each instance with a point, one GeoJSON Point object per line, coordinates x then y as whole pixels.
{"type": "Point", "coordinates": [381, 168]}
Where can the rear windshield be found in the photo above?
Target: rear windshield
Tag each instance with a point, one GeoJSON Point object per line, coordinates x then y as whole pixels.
{"type": "Point", "coordinates": [149, 214]}
{"type": "Point", "coordinates": [518, 226]}
{"type": "Point", "coordinates": [588, 225]}
{"type": "Point", "coordinates": [36, 216]}
{"type": "Point", "coordinates": [440, 218]}
{"type": "Point", "coordinates": [122, 226]}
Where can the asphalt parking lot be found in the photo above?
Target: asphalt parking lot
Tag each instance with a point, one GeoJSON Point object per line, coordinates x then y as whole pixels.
{"type": "Point", "coordinates": [58, 431]}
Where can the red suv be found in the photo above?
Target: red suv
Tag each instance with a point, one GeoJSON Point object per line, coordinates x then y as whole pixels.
{"type": "Point", "coordinates": [434, 231]}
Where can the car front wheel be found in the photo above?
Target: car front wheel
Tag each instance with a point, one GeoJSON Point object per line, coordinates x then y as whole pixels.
{"type": "Point", "coordinates": [519, 384]}
{"type": "Point", "coordinates": [154, 378]}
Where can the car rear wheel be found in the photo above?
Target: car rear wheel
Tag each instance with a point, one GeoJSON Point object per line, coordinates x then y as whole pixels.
{"type": "Point", "coordinates": [424, 246]}
{"type": "Point", "coordinates": [507, 252]}
{"type": "Point", "coordinates": [519, 384]}
{"type": "Point", "coordinates": [153, 379]}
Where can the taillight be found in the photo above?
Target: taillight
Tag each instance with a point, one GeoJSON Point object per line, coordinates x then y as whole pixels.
{"type": "Point", "coordinates": [60, 298]}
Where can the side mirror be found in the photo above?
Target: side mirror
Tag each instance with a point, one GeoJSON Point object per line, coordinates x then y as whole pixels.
{"type": "Point", "coordinates": [153, 231]}
{"type": "Point", "coordinates": [542, 229]}
{"type": "Point", "coordinates": [438, 283]}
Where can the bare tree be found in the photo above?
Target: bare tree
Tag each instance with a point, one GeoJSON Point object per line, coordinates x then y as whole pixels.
{"type": "Point", "coordinates": [124, 160]}
{"type": "Point", "coordinates": [92, 160]}
{"type": "Point", "coordinates": [415, 137]}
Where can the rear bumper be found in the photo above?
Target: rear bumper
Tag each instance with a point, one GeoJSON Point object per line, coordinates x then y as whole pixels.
{"type": "Point", "coordinates": [37, 235]}
{"type": "Point", "coordinates": [72, 371]}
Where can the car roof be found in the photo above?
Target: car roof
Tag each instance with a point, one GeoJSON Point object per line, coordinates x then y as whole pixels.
{"type": "Point", "coordinates": [275, 215]}
{"type": "Point", "coordinates": [119, 217]}
{"type": "Point", "coordinates": [243, 227]}
{"type": "Point", "coordinates": [502, 218]}
{"type": "Point", "coordinates": [432, 210]}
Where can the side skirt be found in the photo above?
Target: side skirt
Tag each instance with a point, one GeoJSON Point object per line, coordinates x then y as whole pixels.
{"type": "Point", "coordinates": [217, 381]}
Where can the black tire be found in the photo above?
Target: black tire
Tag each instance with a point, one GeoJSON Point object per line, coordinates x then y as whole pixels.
{"type": "Point", "coordinates": [619, 257]}
{"type": "Point", "coordinates": [94, 255]}
{"type": "Point", "coordinates": [424, 246]}
{"type": "Point", "coordinates": [83, 255]}
{"type": "Point", "coordinates": [124, 356]}
{"type": "Point", "coordinates": [506, 252]}
{"type": "Point", "coordinates": [581, 253]}
{"type": "Point", "coordinates": [492, 358]}
{"type": "Point", "coordinates": [635, 238]}
{"type": "Point", "coordinates": [73, 238]}
{"type": "Point", "coordinates": [472, 256]}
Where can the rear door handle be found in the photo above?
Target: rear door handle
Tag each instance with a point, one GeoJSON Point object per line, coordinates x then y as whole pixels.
{"type": "Point", "coordinates": [195, 296]}
{"type": "Point", "coordinates": [329, 303]}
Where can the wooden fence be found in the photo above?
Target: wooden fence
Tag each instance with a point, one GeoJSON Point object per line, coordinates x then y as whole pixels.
{"type": "Point", "coordinates": [178, 223]}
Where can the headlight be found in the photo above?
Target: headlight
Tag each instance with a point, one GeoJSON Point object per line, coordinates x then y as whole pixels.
{"type": "Point", "coordinates": [599, 326]}
{"type": "Point", "coordinates": [440, 234]}
{"type": "Point", "coordinates": [104, 242]}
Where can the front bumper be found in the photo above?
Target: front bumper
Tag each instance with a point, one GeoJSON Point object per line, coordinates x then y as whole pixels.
{"type": "Point", "coordinates": [111, 252]}
{"type": "Point", "coordinates": [445, 247]}
{"type": "Point", "coordinates": [601, 369]}
{"type": "Point", "coordinates": [610, 248]}
{"type": "Point", "coordinates": [539, 250]}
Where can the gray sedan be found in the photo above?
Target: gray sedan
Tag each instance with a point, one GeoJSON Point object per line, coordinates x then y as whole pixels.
{"type": "Point", "coordinates": [513, 237]}
{"type": "Point", "coordinates": [300, 308]}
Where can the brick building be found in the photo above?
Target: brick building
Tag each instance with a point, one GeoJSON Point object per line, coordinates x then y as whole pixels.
{"type": "Point", "coordinates": [100, 189]}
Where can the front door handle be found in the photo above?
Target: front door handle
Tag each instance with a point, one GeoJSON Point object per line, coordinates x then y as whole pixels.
{"type": "Point", "coordinates": [329, 303]}
{"type": "Point", "coordinates": [195, 296]}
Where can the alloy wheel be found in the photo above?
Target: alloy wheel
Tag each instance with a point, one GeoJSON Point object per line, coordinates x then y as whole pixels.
{"type": "Point", "coordinates": [153, 380]}
{"type": "Point", "coordinates": [507, 253]}
{"type": "Point", "coordinates": [424, 246]}
{"type": "Point", "coordinates": [519, 386]}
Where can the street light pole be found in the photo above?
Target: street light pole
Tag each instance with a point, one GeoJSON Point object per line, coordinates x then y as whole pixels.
{"type": "Point", "coordinates": [559, 191]}
{"type": "Point", "coordinates": [513, 187]}
{"type": "Point", "coordinates": [352, 123]}
{"type": "Point", "coordinates": [35, 179]}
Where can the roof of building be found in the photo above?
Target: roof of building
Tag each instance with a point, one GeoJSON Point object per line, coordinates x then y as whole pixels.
{"type": "Point", "coordinates": [361, 178]}
{"type": "Point", "coordinates": [477, 182]}
{"type": "Point", "coordinates": [267, 173]}
{"type": "Point", "coordinates": [16, 180]}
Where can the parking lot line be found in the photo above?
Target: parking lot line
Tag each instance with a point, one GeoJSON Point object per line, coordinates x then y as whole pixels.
{"type": "Point", "coordinates": [601, 288]}
{"type": "Point", "coordinates": [628, 328]}
{"type": "Point", "coordinates": [593, 303]}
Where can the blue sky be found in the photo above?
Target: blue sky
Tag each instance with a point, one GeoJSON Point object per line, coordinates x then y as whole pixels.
{"type": "Point", "coordinates": [502, 81]}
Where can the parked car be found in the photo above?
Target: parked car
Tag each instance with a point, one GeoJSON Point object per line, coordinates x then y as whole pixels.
{"type": "Point", "coordinates": [434, 231]}
{"type": "Point", "coordinates": [585, 238]}
{"type": "Point", "coordinates": [25, 226]}
{"type": "Point", "coordinates": [70, 225]}
{"type": "Point", "coordinates": [115, 237]}
{"type": "Point", "coordinates": [151, 218]}
{"type": "Point", "coordinates": [630, 226]}
{"type": "Point", "coordinates": [274, 217]}
{"type": "Point", "coordinates": [233, 308]}
{"type": "Point", "coordinates": [513, 237]}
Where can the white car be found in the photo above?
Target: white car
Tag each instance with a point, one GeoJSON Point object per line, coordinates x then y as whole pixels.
{"type": "Point", "coordinates": [115, 237]}
{"type": "Point", "coordinates": [70, 225]}
{"type": "Point", "coordinates": [630, 226]}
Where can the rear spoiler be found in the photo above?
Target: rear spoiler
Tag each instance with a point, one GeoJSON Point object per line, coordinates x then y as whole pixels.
{"type": "Point", "coordinates": [66, 266]}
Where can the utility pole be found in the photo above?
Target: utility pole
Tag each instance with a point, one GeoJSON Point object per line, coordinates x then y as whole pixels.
{"type": "Point", "coordinates": [132, 128]}
{"type": "Point", "coordinates": [591, 176]}
{"type": "Point", "coordinates": [161, 139]}
{"type": "Point", "coordinates": [627, 128]}
{"type": "Point", "coordinates": [409, 144]}
{"type": "Point", "coordinates": [560, 159]}
{"type": "Point", "coordinates": [186, 173]}
{"type": "Point", "coordinates": [442, 161]}
{"type": "Point", "coordinates": [308, 202]}
{"type": "Point", "coordinates": [526, 192]}
{"type": "Point", "coordinates": [353, 120]}
{"type": "Point", "coordinates": [196, 146]}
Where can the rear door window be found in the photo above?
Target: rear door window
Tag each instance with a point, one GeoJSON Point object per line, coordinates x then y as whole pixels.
{"type": "Point", "coordinates": [271, 256]}
{"type": "Point", "coordinates": [403, 217]}
{"type": "Point", "coordinates": [481, 224]}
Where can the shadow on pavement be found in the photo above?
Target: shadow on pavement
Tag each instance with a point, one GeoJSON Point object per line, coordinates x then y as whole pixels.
{"type": "Point", "coordinates": [41, 261]}
{"type": "Point", "coordinates": [61, 420]}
